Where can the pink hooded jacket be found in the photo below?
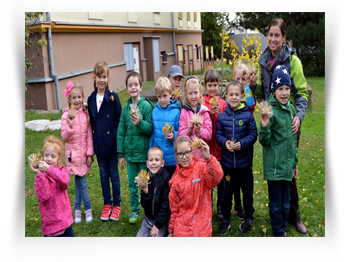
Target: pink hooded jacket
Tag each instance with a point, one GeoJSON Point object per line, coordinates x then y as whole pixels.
{"type": "Point", "coordinates": [78, 143]}
{"type": "Point", "coordinates": [205, 132]}
{"type": "Point", "coordinates": [51, 191]}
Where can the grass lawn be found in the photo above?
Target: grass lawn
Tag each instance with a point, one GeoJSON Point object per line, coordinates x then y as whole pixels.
{"type": "Point", "coordinates": [311, 182]}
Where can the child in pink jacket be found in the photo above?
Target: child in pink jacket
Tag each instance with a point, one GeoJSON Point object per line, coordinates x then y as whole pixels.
{"type": "Point", "coordinates": [76, 132]}
{"type": "Point", "coordinates": [51, 184]}
{"type": "Point", "coordinates": [192, 99]}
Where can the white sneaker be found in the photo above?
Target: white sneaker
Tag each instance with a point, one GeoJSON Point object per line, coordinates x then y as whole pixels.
{"type": "Point", "coordinates": [77, 216]}
{"type": "Point", "coordinates": [88, 215]}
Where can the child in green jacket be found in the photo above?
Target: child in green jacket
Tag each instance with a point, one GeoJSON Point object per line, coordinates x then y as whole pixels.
{"type": "Point", "coordinates": [280, 155]}
{"type": "Point", "coordinates": [133, 136]}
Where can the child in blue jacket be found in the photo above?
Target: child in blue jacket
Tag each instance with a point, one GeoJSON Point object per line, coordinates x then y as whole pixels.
{"type": "Point", "coordinates": [236, 133]}
{"type": "Point", "coordinates": [167, 111]}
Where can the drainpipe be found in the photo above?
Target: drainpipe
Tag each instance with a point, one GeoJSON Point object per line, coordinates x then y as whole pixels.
{"type": "Point", "coordinates": [52, 71]}
{"type": "Point", "coordinates": [174, 46]}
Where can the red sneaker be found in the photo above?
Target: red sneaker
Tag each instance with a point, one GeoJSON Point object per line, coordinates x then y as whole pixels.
{"type": "Point", "coordinates": [106, 212]}
{"type": "Point", "coordinates": [115, 213]}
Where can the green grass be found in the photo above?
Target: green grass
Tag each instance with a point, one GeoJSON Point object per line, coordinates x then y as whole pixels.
{"type": "Point", "coordinates": [311, 182]}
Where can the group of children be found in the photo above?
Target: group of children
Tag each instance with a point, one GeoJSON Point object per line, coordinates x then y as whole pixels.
{"type": "Point", "coordinates": [210, 144]}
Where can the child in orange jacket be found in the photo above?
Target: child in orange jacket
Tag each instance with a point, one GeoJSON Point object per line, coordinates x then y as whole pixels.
{"type": "Point", "coordinates": [190, 190]}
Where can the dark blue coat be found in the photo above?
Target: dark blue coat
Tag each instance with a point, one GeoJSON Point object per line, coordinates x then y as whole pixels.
{"type": "Point", "coordinates": [244, 131]}
{"type": "Point", "coordinates": [105, 123]}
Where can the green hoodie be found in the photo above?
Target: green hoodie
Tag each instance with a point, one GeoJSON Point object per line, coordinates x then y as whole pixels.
{"type": "Point", "coordinates": [280, 153]}
{"type": "Point", "coordinates": [133, 141]}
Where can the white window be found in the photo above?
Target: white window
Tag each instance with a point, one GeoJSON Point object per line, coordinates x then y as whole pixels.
{"type": "Point", "coordinates": [128, 57]}
{"type": "Point", "coordinates": [156, 55]}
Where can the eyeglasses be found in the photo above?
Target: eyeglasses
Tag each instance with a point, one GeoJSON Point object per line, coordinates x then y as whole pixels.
{"type": "Point", "coordinates": [182, 154]}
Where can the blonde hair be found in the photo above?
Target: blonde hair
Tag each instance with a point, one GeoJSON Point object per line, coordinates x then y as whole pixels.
{"type": "Point", "coordinates": [57, 144]}
{"type": "Point", "coordinates": [163, 85]}
{"type": "Point", "coordinates": [99, 69]}
{"type": "Point", "coordinates": [241, 67]}
{"type": "Point", "coordinates": [192, 80]}
{"type": "Point", "coordinates": [155, 148]}
{"type": "Point", "coordinates": [84, 107]}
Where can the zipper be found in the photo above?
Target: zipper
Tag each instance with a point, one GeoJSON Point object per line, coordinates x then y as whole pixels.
{"type": "Point", "coordinates": [233, 138]}
{"type": "Point", "coordinates": [81, 158]}
{"type": "Point", "coordinates": [154, 196]}
{"type": "Point", "coordinates": [275, 161]}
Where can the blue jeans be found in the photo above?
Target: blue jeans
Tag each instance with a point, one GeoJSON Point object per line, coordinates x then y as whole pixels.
{"type": "Point", "coordinates": [109, 170]}
{"type": "Point", "coordinates": [81, 194]}
{"type": "Point", "coordinates": [279, 198]}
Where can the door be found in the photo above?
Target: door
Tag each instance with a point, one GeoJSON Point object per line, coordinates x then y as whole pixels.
{"type": "Point", "coordinates": [135, 52]}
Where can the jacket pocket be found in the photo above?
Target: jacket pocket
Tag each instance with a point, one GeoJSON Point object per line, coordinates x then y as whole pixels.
{"type": "Point", "coordinates": [275, 162]}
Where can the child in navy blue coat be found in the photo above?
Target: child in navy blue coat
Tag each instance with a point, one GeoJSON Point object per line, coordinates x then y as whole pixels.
{"type": "Point", "coordinates": [104, 110]}
{"type": "Point", "coordinates": [236, 133]}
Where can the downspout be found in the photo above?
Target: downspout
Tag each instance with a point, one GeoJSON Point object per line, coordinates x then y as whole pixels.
{"type": "Point", "coordinates": [172, 16]}
{"type": "Point", "coordinates": [52, 71]}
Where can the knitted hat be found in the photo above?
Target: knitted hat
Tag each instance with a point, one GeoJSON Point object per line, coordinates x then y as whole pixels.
{"type": "Point", "coordinates": [280, 77]}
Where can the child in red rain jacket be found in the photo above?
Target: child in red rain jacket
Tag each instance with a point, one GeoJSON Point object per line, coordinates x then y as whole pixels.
{"type": "Point", "coordinates": [190, 190]}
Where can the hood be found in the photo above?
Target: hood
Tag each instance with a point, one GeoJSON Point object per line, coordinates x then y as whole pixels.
{"type": "Point", "coordinates": [242, 107]}
{"type": "Point", "coordinates": [274, 102]}
{"type": "Point", "coordinates": [173, 104]}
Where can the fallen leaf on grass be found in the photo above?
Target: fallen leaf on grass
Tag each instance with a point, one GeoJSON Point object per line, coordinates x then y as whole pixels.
{"type": "Point", "coordinates": [90, 175]}
{"type": "Point", "coordinates": [264, 230]}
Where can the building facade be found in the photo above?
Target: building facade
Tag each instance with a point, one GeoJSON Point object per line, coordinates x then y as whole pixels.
{"type": "Point", "coordinates": [145, 42]}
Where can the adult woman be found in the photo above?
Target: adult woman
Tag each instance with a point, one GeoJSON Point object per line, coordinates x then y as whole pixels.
{"type": "Point", "coordinates": [279, 52]}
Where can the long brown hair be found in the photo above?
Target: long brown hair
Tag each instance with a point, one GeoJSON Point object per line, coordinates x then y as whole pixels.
{"type": "Point", "coordinates": [99, 69]}
{"type": "Point", "coordinates": [282, 25]}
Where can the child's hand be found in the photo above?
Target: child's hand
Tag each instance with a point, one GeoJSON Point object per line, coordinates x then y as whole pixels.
{"type": "Point", "coordinates": [43, 166]}
{"type": "Point", "coordinates": [144, 189]}
{"type": "Point", "coordinates": [295, 172]}
{"type": "Point", "coordinates": [34, 169]}
{"type": "Point", "coordinates": [237, 146]}
{"type": "Point", "coordinates": [89, 160]}
{"type": "Point", "coordinates": [170, 235]}
{"type": "Point", "coordinates": [264, 119]}
{"type": "Point", "coordinates": [253, 80]}
{"type": "Point", "coordinates": [227, 145]}
{"type": "Point", "coordinates": [190, 127]}
{"type": "Point", "coordinates": [71, 121]}
{"type": "Point", "coordinates": [154, 231]}
{"type": "Point", "coordinates": [170, 136]}
{"type": "Point", "coordinates": [205, 149]}
{"type": "Point", "coordinates": [215, 110]}
{"type": "Point", "coordinates": [295, 124]}
{"type": "Point", "coordinates": [122, 163]}
{"type": "Point", "coordinates": [197, 127]}
{"type": "Point", "coordinates": [135, 119]}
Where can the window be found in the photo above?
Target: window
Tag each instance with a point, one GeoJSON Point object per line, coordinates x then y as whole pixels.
{"type": "Point", "coordinates": [164, 57]}
{"type": "Point", "coordinates": [156, 55]}
{"type": "Point", "coordinates": [128, 58]}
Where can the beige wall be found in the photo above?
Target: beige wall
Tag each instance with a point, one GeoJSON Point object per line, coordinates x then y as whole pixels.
{"type": "Point", "coordinates": [80, 50]}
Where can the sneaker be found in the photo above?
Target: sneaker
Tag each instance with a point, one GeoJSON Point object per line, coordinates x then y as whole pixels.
{"type": "Point", "coordinates": [106, 212]}
{"type": "Point", "coordinates": [115, 213]}
{"type": "Point", "coordinates": [239, 214]}
{"type": "Point", "coordinates": [246, 225]}
{"type": "Point", "coordinates": [133, 217]}
{"type": "Point", "coordinates": [77, 216]}
{"type": "Point", "coordinates": [224, 225]}
{"type": "Point", "coordinates": [88, 215]}
{"type": "Point", "coordinates": [220, 216]}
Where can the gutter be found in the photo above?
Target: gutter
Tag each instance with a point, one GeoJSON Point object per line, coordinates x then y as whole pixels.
{"type": "Point", "coordinates": [172, 16]}
{"type": "Point", "coordinates": [52, 70]}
